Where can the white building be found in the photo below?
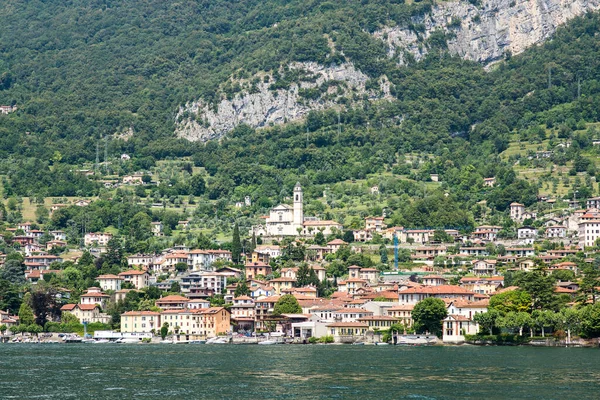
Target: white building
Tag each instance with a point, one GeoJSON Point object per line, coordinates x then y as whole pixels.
{"type": "Point", "coordinates": [110, 282]}
{"type": "Point", "coordinates": [516, 211]}
{"type": "Point", "coordinates": [556, 231]}
{"type": "Point", "coordinates": [589, 232]}
{"type": "Point", "coordinates": [97, 239]}
{"type": "Point", "coordinates": [527, 234]}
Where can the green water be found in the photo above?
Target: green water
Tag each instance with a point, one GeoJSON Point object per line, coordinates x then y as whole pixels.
{"type": "Point", "coordinates": [112, 371]}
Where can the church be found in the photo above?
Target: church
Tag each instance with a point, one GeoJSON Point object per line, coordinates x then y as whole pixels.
{"type": "Point", "coordinates": [286, 220]}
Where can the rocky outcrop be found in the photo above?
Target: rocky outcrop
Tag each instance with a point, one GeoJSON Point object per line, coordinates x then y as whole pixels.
{"type": "Point", "coordinates": [484, 33]}
{"type": "Point", "coordinates": [266, 105]}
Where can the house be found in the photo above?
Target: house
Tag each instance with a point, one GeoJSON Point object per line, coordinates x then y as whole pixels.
{"type": "Point", "coordinates": [83, 203]}
{"type": "Point", "coordinates": [527, 234]}
{"type": "Point", "coordinates": [369, 274]}
{"type": "Point", "coordinates": [362, 235]}
{"type": "Point", "coordinates": [280, 284]}
{"type": "Point", "coordinates": [242, 312]}
{"type": "Point", "coordinates": [589, 232]}
{"type": "Point", "coordinates": [110, 282]}
{"type": "Point", "coordinates": [455, 327]}
{"type": "Point", "coordinates": [86, 313]}
{"type": "Point", "coordinates": [593, 202]}
{"type": "Point", "coordinates": [520, 251]}
{"type": "Point", "coordinates": [141, 322]}
{"type": "Point", "coordinates": [93, 296]}
{"type": "Point", "coordinates": [100, 239]}
{"type": "Point", "coordinates": [264, 310]}
{"type": "Point", "coordinates": [183, 224]}
{"type": "Point", "coordinates": [416, 294]}
{"type": "Point", "coordinates": [264, 253]}
{"type": "Point", "coordinates": [481, 285]}
{"type": "Point", "coordinates": [58, 235]}
{"type": "Point", "coordinates": [125, 157]}
{"type": "Point", "coordinates": [490, 182]}
{"type": "Point", "coordinates": [328, 227]}
{"type": "Point", "coordinates": [135, 179]}
{"type": "Point", "coordinates": [139, 279]}
{"type": "Point", "coordinates": [434, 280]}
{"type": "Point", "coordinates": [336, 244]}
{"type": "Point", "coordinates": [172, 302]}
{"type": "Point", "coordinates": [7, 109]}
{"type": "Point", "coordinates": [374, 224]}
{"type": "Point", "coordinates": [157, 228]}
{"type": "Point", "coordinates": [556, 231]}
{"type": "Point", "coordinates": [197, 283]}
{"type": "Point", "coordinates": [140, 260]}
{"type": "Point", "coordinates": [213, 321]}
{"type": "Point", "coordinates": [417, 235]}
{"type": "Point", "coordinates": [256, 269]}
{"type": "Point", "coordinates": [353, 284]}
{"type": "Point", "coordinates": [55, 244]}
{"type": "Point", "coordinates": [347, 332]}
{"type": "Point", "coordinates": [526, 264]}
{"type": "Point", "coordinates": [484, 267]}
{"type": "Point", "coordinates": [516, 211]}
{"type": "Point", "coordinates": [403, 313]}
{"type": "Point", "coordinates": [378, 322]}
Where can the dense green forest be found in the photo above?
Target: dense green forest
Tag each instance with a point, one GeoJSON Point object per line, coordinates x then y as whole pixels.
{"type": "Point", "coordinates": [79, 71]}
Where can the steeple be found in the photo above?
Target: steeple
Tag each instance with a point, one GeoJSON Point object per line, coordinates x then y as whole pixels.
{"type": "Point", "coordinates": [298, 205]}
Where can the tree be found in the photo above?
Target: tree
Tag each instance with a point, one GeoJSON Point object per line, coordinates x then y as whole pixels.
{"type": "Point", "coordinates": [41, 214]}
{"type": "Point", "coordinates": [181, 267]}
{"type": "Point", "coordinates": [68, 318]}
{"type": "Point", "coordinates": [26, 316]}
{"type": "Point", "coordinates": [348, 236]}
{"type": "Point", "coordinates": [164, 330]}
{"type": "Point", "coordinates": [14, 271]}
{"type": "Point", "coordinates": [428, 315]}
{"type": "Point", "coordinates": [175, 287]}
{"type": "Point", "coordinates": [3, 329]}
{"type": "Point", "coordinates": [287, 304]}
{"type": "Point", "coordinates": [568, 319]}
{"type": "Point", "coordinates": [515, 320]}
{"type": "Point", "coordinates": [236, 245]}
{"type": "Point", "coordinates": [590, 320]}
{"type": "Point", "coordinates": [487, 320]}
{"type": "Point", "coordinates": [544, 319]}
{"type": "Point", "coordinates": [383, 256]}
{"type": "Point", "coordinates": [44, 303]}
{"type": "Point", "coordinates": [511, 301]}
{"type": "Point", "coordinates": [241, 289]}
{"type": "Point", "coordinates": [539, 287]}
{"type": "Point", "coordinates": [197, 185]}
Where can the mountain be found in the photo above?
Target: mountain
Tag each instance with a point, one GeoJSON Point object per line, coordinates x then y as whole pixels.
{"type": "Point", "coordinates": [80, 71]}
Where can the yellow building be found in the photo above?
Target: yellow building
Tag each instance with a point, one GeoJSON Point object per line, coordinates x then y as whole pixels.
{"type": "Point", "coordinates": [140, 321]}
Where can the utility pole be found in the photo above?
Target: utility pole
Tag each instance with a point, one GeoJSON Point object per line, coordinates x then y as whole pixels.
{"type": "Point", "coordinates": [549, 77]}
{"type": "Point", "coordinates": [105, 152]}
{"type": "Point", "coordinates": [97, 158]}
{"type": "Point", "coordinates": [578, 87]}
{"type": "Point", "coordinates": [307, 135]}
{"type": "Point", "coordinates": [339, 126]}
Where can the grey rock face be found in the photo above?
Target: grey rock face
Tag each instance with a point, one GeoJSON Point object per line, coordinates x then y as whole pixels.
{"type": "Point", "coordinates": [483, 33]}
{"type": "Point", "coordinates": [486, 33]}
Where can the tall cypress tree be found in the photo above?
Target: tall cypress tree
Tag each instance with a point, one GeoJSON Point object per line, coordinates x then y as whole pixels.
{"type": "Point", "coordinates": [236, 245]}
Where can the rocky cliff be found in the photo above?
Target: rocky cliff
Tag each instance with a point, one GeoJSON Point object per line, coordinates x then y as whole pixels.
{"type": "Point", "coordinates": [487, 31]}
{"type": "Point", "coordinates": [318, 87]}
{"type": "Point", "coordinates": [483, 31]}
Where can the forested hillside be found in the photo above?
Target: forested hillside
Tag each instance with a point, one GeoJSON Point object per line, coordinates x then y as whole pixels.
{"type": "Point", "coordinates": [79, 71]}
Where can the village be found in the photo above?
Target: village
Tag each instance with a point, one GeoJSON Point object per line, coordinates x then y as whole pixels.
{"type": "Point", "coordinates": [204, 294]}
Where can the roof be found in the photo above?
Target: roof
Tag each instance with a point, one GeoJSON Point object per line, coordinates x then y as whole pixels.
{"type": "Point", "coordinates": [172, 298]}
{"type": "Point", "coordinates": [441, 289]}
{"type": "Point", "coordinates": [132, 272]}
{"type": "Point", "coordinates": [141, 313]}
{"type": "Point", "coordinates": [337, 242]}
{"type": "Point", "coordinates": [378, 318]}
{"type": "Point", "coordinates": [348, 325]}
{"type": "Point", "coordinates": [108, 276]}
{"type": "Point", "coordinates": [402, 307]}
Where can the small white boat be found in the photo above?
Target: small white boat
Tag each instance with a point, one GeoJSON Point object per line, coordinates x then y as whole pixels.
{"type": "Point", "coordinates": [217, 341]}
{"type": "Point", "coordinates": [269, 342]}
{"type": "Point", "coordinates": [382, 344]}
{"type": "Point", "coordinates": [88, 341]}
{"type": "Point", "coordinates": [197, 341]}
{"type": "Point", "coordinates": [102, 341]}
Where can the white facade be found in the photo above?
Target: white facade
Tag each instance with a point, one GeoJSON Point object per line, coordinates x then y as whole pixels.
{"type": "Point", "coordinates": [97, 239]}
{"type": "Point", "coordinates": [589, 232]}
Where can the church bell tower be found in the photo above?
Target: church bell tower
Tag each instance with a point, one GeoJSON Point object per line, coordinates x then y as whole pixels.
{"type": "Point", "coordinates": [298, 206]}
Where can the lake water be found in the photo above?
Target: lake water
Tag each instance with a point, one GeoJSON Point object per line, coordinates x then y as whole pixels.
{"type": "Point", "coordinates": [112, 371]}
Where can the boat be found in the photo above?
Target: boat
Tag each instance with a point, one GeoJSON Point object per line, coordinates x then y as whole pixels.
{"type": "Point", "coordinates": [358, 343]}
{"type": "Point", "coordinates": [72, 339]}
{"type": "Point", "coordinates": [381, 344]}
{"type": "Point", "coordinates": [217, 341]}
{"type": "Point", "coordinates": [166, 342]}
{"type": "Point", "coordinates": [267, 342]}
{"type": "Point", "coordinates": [88, 341]}
{"type": "Point", "coordinates": [197, 342]}
{"type": "Point", "coordinates": [102, 341]}
{"type": "Point", "coordinates": [127, 340]}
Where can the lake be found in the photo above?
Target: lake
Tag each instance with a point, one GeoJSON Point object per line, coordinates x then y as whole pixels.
{"type": "Point", "coordinates": [113, 371]}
